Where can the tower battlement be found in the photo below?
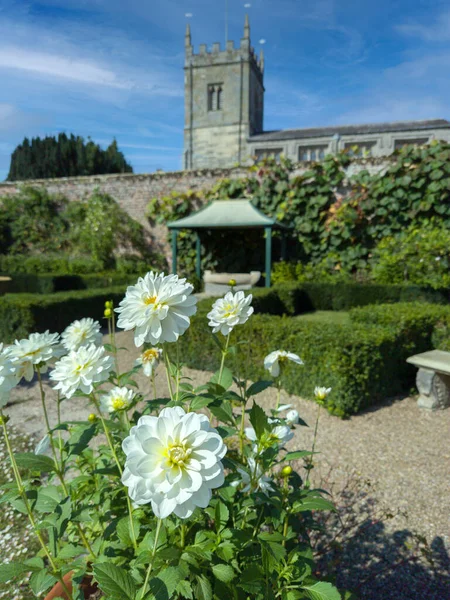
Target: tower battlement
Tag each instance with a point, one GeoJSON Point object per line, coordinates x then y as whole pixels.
{"type": "Point", "coordinates": [218, 56]}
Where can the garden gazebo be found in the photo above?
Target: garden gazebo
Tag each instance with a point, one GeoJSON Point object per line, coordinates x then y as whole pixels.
{"type": "Point", "coordinates": [228, 214]}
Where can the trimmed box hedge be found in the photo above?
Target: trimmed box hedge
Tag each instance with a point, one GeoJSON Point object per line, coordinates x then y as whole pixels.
{"type": "Point", "coordinates": [48, 283]}
{"type": "Point", "coordinates": [364, 362]}
{"type": "Point", "coordinates": [22, 314]}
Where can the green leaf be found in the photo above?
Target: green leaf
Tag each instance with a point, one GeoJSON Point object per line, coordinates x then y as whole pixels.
{"type": "Point", "coordinates": [257, 388]}
{"type": "Point", "coordinates": [312, 503]}
{"type": "Point", "coordinates": [35, 462]}
{"type": "Point", "coordinates": [223, 413]}
{"type": "Point", "coordinates": [163, 586]}
{"type": "Point", "coordinates": [297, 455]}
{"type": "Point", "coordinates": [321, 590]}
{"type": "Point", "coordinates": [201, 401]}
{"type": "Point", "coordinates": [114, 581]}
{"type": "Point", "coordinates": [12, 570]}
{"type": "Point", "coordinates": [184, 588]}
{"type": "Point", "coordinates": [223, 572]}
{"type": "Point", "coordinates": [226, 379]}
{"type": "Point", "coordinates": [258, 419]}
{"type": "Point", "coordinates": [221, 515]}
{"type": "Point", "coordinates": [124, 530]}
{"type": "Point", "coordinates": [203, 590]}
{"type": "Point", "coordinates": [41, 581]}
{"type": "Point", "coordinates": [48, 499]}
{"type": "Point", "coordinates": [80, 437]}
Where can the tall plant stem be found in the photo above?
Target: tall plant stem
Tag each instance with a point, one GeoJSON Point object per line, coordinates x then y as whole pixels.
{"type": "Point", "coordinates": [224, 354]}
{"type": "Point", "coordinates": [167, 365]}
{"type": "Point", "coordinates": [23, 494]}
{"type": "Point", "coordinates": [313, 446]}
{"type": "Point", "coordinates": [119, 466]}
{"type": "Point", "coordinates": [178, 371]}
{"type": "Point", "coordinates": [278, 393]}
{"type": "Point", "coordinates": [152, 558]}
{"type": "Point", "coordinates": [155, 395]}
{"type": "Point", "coordinates": [59, 463]}
{"type": "Point", "coordinates": [113, 342]}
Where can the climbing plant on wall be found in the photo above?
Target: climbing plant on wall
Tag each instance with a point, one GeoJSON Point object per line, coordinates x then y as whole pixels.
{"type": "Point", "coordinates": [334, 218]}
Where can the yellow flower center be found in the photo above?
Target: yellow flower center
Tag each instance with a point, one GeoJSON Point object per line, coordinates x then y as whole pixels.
{"type": "Point", "coordinates": [118, 403]}
{"type": "Point", "coordinates": [230, 310]}
{"type": "Point", "coordinates": [150, 355]}
{"type": "Point", "coordinates": [178, 455]}
{"type": "Point", "coordinates": [282, 359]}
{"type": "Point", "coordinates": [150, 300]}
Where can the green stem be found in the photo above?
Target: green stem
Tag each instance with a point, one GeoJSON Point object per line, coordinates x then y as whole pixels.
{"type": "Point", "coordinates": [59, 465]}
{"type": "Point", "coordinates": [119, 466]}
{"type": "Point", "coordinates": [178, 371]}
{"type": "Point", "coordinates": [167, 364]}
{"type": "Point", "coordinates": [309, 468]}
{"type": "Point", "coordinates": [224, 354]}
{"type": "Point", "coordinates": [242, 432]}
{"type": "Point", "coordinates": [113, 342]}
{"type": "Point", "coordinates": [183, 535]}
{"type": "Point", "coordinates": [150, 566]}
{"type": "Point", "coordinates": [24, 497]}
{"type": "Point", "coordinates": [278, 393]}
{"type": "Point", "coordinates": [155, 395]}
{"type": "Point", "coordinates": [286, 519]}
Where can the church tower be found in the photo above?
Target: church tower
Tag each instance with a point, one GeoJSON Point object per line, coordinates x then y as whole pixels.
{"type": "Point", "coordinates": [223, 100]}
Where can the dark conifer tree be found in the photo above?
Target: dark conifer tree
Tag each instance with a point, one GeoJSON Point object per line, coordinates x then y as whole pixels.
{"type": "Point", "coordinates": [64, 157]}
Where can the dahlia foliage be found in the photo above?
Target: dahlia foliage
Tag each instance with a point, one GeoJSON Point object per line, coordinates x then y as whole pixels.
{"type": "Point", "coordinates": [185, 494]}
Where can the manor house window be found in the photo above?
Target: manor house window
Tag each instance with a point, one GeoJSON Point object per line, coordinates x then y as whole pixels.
{"type": "Point", "coordinates": [413, 141]}
{"type": "Point", "coordinates": [315, 152]}
{"type": "Point", "coordinates": [262, 153]}
{"type": "Point", "coordinates": [359, 149]}
{"type": "Point", "coordinates": [215, 96]}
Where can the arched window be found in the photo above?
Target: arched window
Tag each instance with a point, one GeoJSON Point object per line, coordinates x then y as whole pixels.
{"type": "Point", "coordinates": [219, 97]}
{"type": "Point", "coordinates": [211, 94]}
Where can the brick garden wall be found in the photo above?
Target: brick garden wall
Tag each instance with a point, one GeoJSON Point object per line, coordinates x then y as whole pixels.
{"type": "Point", "coordinates": [133, 191]}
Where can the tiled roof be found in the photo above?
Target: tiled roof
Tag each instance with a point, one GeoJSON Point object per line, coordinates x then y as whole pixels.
{"type": "Point", "coordinates": [315, 132]}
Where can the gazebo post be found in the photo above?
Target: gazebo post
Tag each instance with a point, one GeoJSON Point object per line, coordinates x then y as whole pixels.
{"type": "Point", "coordinates": [198, 256]}
{"type": "Point", "coordinates": [268, 231]}
{"type": "Point", "coordinates": [174, 251]}
{"type": "Point", "coordinates": [283, 245]}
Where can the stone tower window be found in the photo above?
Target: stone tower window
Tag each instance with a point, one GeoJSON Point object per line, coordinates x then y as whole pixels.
{"type": "Point", "coordinates": [215, 96]}
{"type": "Point", "coordinates": [219, 97]}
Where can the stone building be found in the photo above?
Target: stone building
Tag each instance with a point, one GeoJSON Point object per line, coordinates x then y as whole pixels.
{"type": "Point", "coordinates": [224, 115]}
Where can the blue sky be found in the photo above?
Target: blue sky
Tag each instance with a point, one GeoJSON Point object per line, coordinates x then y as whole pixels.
{"type": "Point", "coordinates": [113, 68]}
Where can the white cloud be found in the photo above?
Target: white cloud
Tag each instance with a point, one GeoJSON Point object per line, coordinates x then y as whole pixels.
{"type": "Point", "coordinates": [438, 31]}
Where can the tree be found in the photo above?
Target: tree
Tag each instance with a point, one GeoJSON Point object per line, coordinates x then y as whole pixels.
{"type": "Point", "coordinates": [64, 156]}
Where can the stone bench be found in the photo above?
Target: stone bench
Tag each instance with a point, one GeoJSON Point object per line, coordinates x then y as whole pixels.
{"type": "Point", "coordinates": [433, 378]}
{"type": "Point", "coordinates": [219, 283]}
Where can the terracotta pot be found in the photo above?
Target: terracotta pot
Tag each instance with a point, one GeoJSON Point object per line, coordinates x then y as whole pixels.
{"type": "Point", "coordinates": [87, 587]}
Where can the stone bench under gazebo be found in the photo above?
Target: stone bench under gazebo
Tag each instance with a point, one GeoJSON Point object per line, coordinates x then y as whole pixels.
{"type": "Point", "coordinates": [229, 214]}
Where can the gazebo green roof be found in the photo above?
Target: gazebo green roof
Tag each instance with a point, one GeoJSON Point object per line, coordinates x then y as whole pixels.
{"type": "Point", "coordinates": [225, 214]}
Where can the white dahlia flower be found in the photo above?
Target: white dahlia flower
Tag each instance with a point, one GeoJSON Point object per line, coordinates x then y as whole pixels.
{"type": "Point", "coordinates": [280, 434]}
{"type": "Point", "coordinates": [158, 308]}
{"type": "Point", "coordinates": [292, 417]}
{"type": "Point", "coordinates": [81, 333]}
{"type": "Point", "coordinates": [321, 393]}
{"type": "Point", "coordinates": [149, 360]}
{"type": "Point", "coordinates": [173, 462]}
{"type": "Point", "coordinates": [253, 479]}
{"type": "Point", "coordinates": [229, 311]}
{"type": "Point", "coordinates": [276, 359]}
{"type": "Point", "coordinates": [8, 377]}
{"type": "Point", "coordinates": [38, 349]}
{"type": "Point", "coordinates": [80, 369]}
{"type": "Point", "coordinates": [116, 399]}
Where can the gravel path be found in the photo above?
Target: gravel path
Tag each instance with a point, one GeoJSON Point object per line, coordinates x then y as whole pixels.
{"type": "Point", "coordinates": [388, 470]}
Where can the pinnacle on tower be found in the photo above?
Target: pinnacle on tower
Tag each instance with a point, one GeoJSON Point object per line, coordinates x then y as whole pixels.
{"type": "Point", "coordinates": [261, 60]}
{"type": "Point", "coordinates": [246, 28]}
{"type": "Point", "coordinates": [187, 36]}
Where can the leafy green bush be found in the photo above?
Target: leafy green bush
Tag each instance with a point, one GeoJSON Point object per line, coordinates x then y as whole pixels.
{"type": "Point", "coordinates": [57, 265]}
{"type": "Point", "coordinates": [419, 255]}
{"type": "Point", "coordinates": [362, 363]}
{"type": "Point", "coordinates": [47, 283]}
{"type": "Point", "coordinates": [20, 314]}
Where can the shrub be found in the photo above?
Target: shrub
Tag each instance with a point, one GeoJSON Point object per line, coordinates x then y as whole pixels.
{"type": "Point", "coordinates": [420, 255]}
{"type": "Point", "coordinates": [47, 283]}
{"type": "Point", "coordinates": [57, 265]}
{"type": "Point", "coordinates": [20, 314]}
{"type": "Point", "coordinates": [363, 363]}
